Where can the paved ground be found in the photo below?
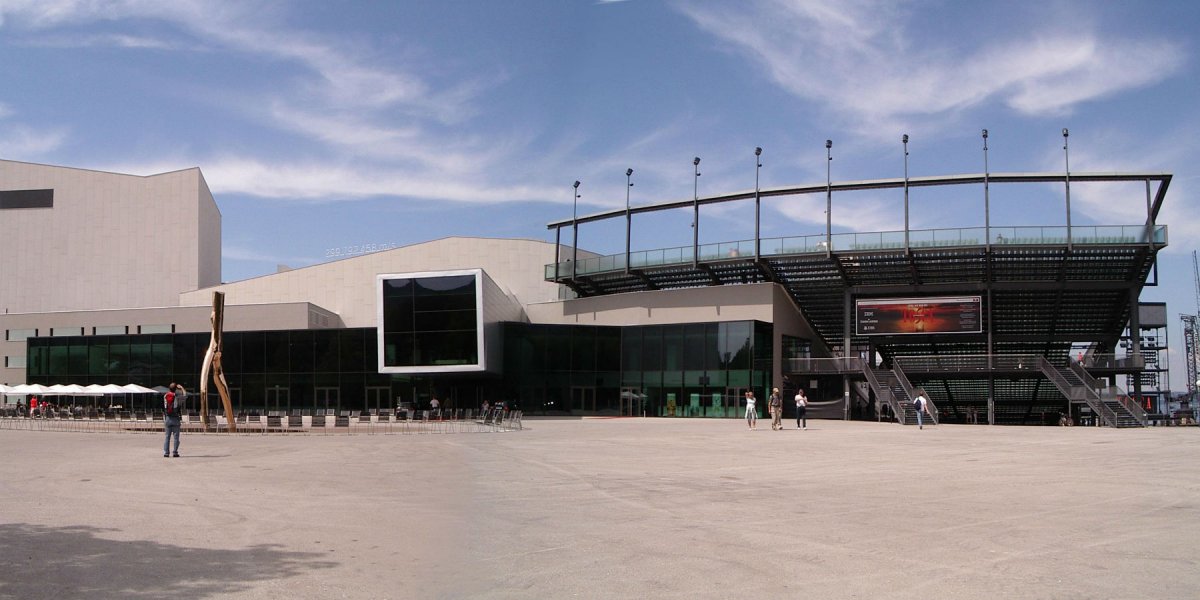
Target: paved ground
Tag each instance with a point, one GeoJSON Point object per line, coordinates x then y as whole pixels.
{"type": "Point", "coordinates": [607, 508]}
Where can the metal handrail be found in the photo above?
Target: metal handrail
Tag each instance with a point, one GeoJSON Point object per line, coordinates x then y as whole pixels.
{"type": "Point", "coordinates": [1078, 392]}
{"type": "Point", "coordinates": [884, 393]}
{"type": "Point", "coordinates": [844, 364]}
{"type": "Point", "coordinates": [931, 409]}
{"type": "Point", "coordinates": [860, 241]}
{"type": "Point", "coordinates": [1135, 410]}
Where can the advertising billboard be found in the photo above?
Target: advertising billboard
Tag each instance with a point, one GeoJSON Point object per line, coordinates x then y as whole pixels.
{"type": "Point", "coordinates": [910, 316]}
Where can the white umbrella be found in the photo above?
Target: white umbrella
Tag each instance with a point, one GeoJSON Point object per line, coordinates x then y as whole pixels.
{"type": "Point", "coordinates": [112, 388]}
{"type": "Point", "coordinates": [29, 388]}
{"type": "Point", "coordinates": [134, 388]}
{"type": "Point", "coordinates": [5, 390]}
{"type": "Point", "coordinates": [93, 390]}
{"type": "Point", "coordinates": [64, 390]}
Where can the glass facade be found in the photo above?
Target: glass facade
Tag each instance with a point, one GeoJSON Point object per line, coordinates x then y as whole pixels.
{"type": "Point", "coordinates": [429, 322]}
{"type": "Point", "coordinates": [688, 370]}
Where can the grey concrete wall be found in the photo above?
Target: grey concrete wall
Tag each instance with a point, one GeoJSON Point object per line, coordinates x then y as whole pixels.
{"type": "Point", "coordinates": [693, 305]}
{"type": "Point", "coordinates": [110, 240]}
{"type": "Point", "coordinates": [347, 286]}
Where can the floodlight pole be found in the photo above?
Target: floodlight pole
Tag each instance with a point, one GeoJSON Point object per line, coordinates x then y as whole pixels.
{"type": "Point", "coordinates": [757, 205]}
{"type": "Point", "coordinates": [628, 215]}
{"type": "Point", "coordinates": [575, 228]}
{"type": "Point", "coordinates": [904, 140]}
{"type": "Point", "coordinates": [1067, 160]}
{"type": "Point", "coordinates": [987, 218]}
{"type": "Point", "coordinates": [696, 214]}
{"type": "Point", "coordinates": [828, 200]}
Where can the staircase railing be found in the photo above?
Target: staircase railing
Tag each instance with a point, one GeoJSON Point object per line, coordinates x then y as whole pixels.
{"type": "Point", "coordinates": [1135, 410]}
{"type": "Point", "coordinates": [1078, 393]}
{"type": "Point", "coordinates": [884, 393]}
{"type": "Point", "coordinates": [930, 407]}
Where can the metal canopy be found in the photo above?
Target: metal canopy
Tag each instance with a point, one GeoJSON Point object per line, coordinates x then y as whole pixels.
{"type": "Point", "coordinates": [1042, 287]}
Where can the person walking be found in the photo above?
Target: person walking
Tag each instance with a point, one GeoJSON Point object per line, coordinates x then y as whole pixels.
{"type": "Point", "coordinates": [921, 404]}
{"type": "Point", "coordinates": [172, 421]}
{"type": "Point", "coordinates": [775, 403]}
{"type": "Point", "coordinates": [801, 410]}
{"type": "Point", "coordinates": [751, 411]}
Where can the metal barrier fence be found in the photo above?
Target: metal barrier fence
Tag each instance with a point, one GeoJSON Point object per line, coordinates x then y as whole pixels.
{"type": "Point", "coordinates": [346, 422]}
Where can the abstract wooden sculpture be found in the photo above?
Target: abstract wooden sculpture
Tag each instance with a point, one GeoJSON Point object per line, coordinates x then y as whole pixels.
{"type": "Point", "coordinates": [212, 361]}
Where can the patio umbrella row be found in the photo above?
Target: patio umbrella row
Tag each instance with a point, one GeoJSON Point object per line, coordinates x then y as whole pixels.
{"type": "Point", "coordinates": [74, 390]}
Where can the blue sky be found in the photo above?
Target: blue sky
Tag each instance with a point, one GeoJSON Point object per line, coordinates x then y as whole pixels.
{"type": "Point", "coordinates": [325, 126]}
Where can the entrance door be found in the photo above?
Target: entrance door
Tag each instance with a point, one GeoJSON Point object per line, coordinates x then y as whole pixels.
{"type": "Point", "coordinates": [583, 399]}
{"type": "Point", "coordinates": [735, 402]}
{"type": "Point", "coordinates": [327, 399]}
{"type": "Point", "coordinates": [631, 402]}
{"type": "Point", "coordinates": [279, 400]}
{"type": "Point", "coordinates": [377, 399]}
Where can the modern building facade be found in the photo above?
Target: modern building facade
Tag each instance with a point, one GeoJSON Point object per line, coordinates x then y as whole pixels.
{"type": "Point", "coordinates": [984, 319]}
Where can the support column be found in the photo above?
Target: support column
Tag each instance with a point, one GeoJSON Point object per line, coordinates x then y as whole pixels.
{"type": "Point", "coordinates": [847, 316]}
{"type": "Point", "coordinates": [557, 251]}
{"type": "Point", "coordinates": [991, 401]}
{"type": "Point", "coordinates": [1135, 339]}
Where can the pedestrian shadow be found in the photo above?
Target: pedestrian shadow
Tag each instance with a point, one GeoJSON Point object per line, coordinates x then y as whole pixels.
{"type": "Point", "coordinates": [74, 562]}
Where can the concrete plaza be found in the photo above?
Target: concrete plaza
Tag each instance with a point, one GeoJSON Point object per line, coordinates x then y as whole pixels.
{"type": "Point", "coordinates": [607, 508]}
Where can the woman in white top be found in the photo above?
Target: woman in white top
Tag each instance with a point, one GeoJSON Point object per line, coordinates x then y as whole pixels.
{"type": "Point", "coordinates": [801, 410]}
{"type": "Point", "coordinates": [751, 413]}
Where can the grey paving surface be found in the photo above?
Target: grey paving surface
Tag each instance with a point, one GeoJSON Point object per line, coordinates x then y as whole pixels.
{"type": "Point", "coordinates": [607, 508]}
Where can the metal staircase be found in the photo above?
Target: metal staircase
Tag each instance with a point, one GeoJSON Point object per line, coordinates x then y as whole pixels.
{"type": "Point", "coordinates": [892, 387]}
{"type": "Point", "coordinates": [1078, 386]}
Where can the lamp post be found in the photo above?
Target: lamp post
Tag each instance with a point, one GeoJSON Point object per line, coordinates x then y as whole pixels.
{"type": "Point", "coordinates": [828, 199]}
{"type": "Point", "coordinates": [575, 227]}
{"type": "Point", "coordinates": [696, 214]}
{"type": "Point", "coordinates": [904, 140]}
{"type": "Point", "coordinates": [628, 215]}
{"type": "Point", "coordinates": [987, 217]}
{"type": "Point", "coordinates": [1067, 161]}
{"type": "Point", "coordinates": [757, 204]}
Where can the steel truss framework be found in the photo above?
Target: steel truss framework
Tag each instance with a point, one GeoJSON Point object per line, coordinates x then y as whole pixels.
{"type": "Point", "coordinates": [1040, 292]}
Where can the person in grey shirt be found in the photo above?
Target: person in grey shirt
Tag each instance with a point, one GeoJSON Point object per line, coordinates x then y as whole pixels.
{"type": "Point", "coordinates": [173, 403]}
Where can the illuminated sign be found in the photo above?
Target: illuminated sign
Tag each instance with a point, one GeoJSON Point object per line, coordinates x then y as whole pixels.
{"type": "Point", "coordinates": [907, 316]}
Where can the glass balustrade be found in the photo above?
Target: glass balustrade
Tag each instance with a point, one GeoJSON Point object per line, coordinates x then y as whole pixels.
{"type": "Point", "coordinates": [867, 241]}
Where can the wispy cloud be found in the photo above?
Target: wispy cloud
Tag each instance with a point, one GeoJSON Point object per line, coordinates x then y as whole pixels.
{"type": "Point", "coordinates": [862, 62]}
{"type": "Point", "coordinates": [346, 104]}
{"type": "Point", "coordinates": [29, 143]}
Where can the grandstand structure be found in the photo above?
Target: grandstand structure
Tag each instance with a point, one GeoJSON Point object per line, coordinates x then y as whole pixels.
{"type": "Point", "coordinates": [1000, 324]}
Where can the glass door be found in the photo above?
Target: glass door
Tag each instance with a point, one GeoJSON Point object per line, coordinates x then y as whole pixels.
{"type": "Point", "coordinates": [631, 402]}
{"type": "Point", "coordinates": [279, 400]}
{"type": "Point", "coordinates": [583, 399]}
{"type": "Point", "coordinates": [735, 402]}
{"type": "Point", "coordinates": [377, 399]}
{"type": "Point", "coordinates": [327, 400]}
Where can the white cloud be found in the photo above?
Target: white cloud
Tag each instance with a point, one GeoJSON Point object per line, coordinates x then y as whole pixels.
{"type": "Point", "coordinates": [21, 142]}
{"type": "Point", "coordinates": [318, 181]}
{"type": "Point", "coordinates": [1113, 151]}
{"type": "Point", "coordinates": [348, 105]}
{"type": "Point", "coordinates": [862, 61]}
{"type": "Point", "coordinates": [859, 214]}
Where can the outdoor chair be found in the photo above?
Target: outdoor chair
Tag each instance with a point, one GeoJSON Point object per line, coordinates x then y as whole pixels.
{"type": "Point", "coordinates": [318, 421]}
